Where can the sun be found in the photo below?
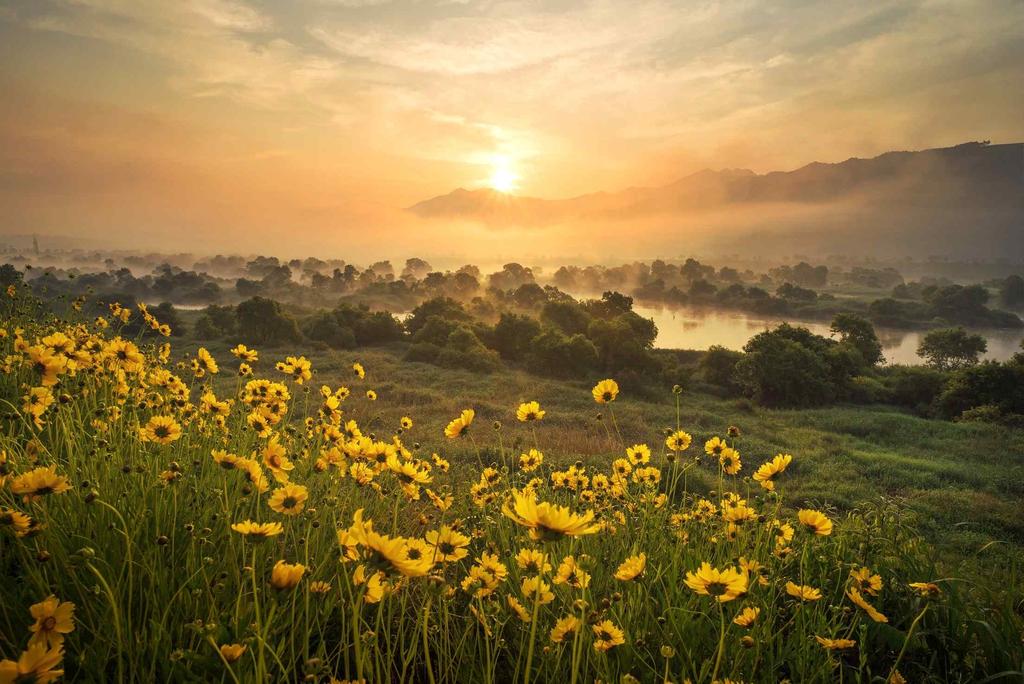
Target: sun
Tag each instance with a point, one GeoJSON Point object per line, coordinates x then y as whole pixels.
{"type": "Point", "coordinates": [503, 178]}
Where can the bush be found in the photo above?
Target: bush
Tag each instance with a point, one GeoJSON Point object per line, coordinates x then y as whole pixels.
{"type": "Point", "coordinates": [781, 372]}
{"type": "Point", "coordinates": [791, 366]}
{"type": "Point", "coordinates": [865, 389]}
{"type": "Point", "coordinates": [512, 335]}
{"type": "Point", "coordinates": [915, 387]}
{"type": "Point", "coordinates": [989, 383]}
{"type": "Point", "coordinates": [441, 307]}
{"type": "Point", "coordinates": [554, 354]}
{"type": "Point", "coordinates": [324, 327]}
{"type": "Point", "coordinates": [262, 321]}
{"type": "Point", "coordinates": [718, 367]}
{"type": "Point", "coordinates": [216, 322]}
{"type": "Point", "coordinates": [349, 326]}
{"type": "Point", "coordinates": [986, 413]}
{"type": "Point", "coordinates": [568, 317]}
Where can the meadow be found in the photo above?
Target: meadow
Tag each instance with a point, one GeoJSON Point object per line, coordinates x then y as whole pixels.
{"type": "Point", "coordinates": [208, 512]}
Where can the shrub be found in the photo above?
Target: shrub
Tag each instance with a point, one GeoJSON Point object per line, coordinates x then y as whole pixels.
{"type": "Point", "coordinates": [441, 307]}
{"type": "Point", "coordinates": [989, 383]}
{"type": "Point", "coordinates": [781, 372]}
{"type": "Point", "coordinates": [915, 387]}
{"type": "Point", "coordinates": [718, 367]}
{"type": "Point", "coordinates": [512, 335]}
{"type": "Point", "coordinates": [262, 321]}
{"type": "Point", "coordinates": [552, 353]}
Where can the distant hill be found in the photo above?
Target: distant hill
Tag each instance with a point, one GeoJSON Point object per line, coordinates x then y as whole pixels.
{"type": "Point", "coordinates": [973, 175]}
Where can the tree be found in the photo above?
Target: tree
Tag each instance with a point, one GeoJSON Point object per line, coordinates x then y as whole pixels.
{"type": "Point", "coordinates": [261, 321]}
{"type": "Point", "coordinates": [415, 268]}
{"type": "Point", "coordinates": [781, 372]}
{"type": "Point", "coordinates": [569, 317]}
{"type": "Point", "coordinates": [443, 307]}
{"type": "Point", "coordinates": [513, 334]}
{"type": "Point", "coordinates": [999, 385]}
{"type": "Point", "coordinates": [951, 348]}
{"type": "Point", "coordinates": [718, 366]}
{"type": "Point", "coordinates": [1011, 292]}
{"type": "Point", "coordinates": [859, 333]}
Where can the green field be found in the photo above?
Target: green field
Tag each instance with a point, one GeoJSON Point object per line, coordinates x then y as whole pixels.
{"type": "Point", "coordinates": [961, 483]}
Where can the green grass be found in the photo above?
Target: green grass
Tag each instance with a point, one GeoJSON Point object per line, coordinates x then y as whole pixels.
{"type": "Point", "coordinates": [962, 483]}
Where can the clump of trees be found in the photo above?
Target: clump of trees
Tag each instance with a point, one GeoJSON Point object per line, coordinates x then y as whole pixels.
{"type": "Point", "coordinates": [790, 366]}
{"type": "Point", "coordinates": [548, 333]}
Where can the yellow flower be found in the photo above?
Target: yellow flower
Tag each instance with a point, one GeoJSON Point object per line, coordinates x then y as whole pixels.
{"type": "Point", "coordinates": [638, 454]}
{"type": "Point", "coordinates": [161, 429]}
{"type": "Point", "coordinates": [36, 401]}
{"type": "Point", "coordinates": [531, 461]}
{"type": "Point", "coordinates": [835, 644]}
{"type": "Point", "coordinates": [534, 561]}
{"type": "Point", "coordinates": [319, 587]}
{"type": "Point", "coordinates": [678, 441]}
{"type": "Point", "coordinates": [243, 353]}
{"type": "Point", "coordinates": [723, 585]}
{"type": "Point", "coordinates": [286, 575]}
{"type": "Point", "coordinates": [39, 482]}
{"type": "Point", "coordinates": [563, 627]}
{"type": "Point", "coordinates": [867, 582]}
{"type": "Point", "coordinates": [631, 568]}
{"type": "Point", "coordinates": [926, 589]}
{"type": "Point", "coordinates": [804, 593]}
{"type": "Point", "coordinates": [607, 636]}
{"type": "Point", "coordinates": [276, 459]}
{"type": "Point", "coordinates": [605, 391]}
{"type": "Point", "coordinates": [259, 531]}
{"type": "Point", "coordinates": [358, 369]}
{"type": "Point", "coordinates": [536, 589]}
{"type": "Point", "coordinates": [715, 446]}
{"type": "Point", "coordinates": [387, 553]}
{"type": "Point", "coordinates": [546, 521]}
{"type": "Point", "coordinates": [459, 426]}
{"type": "Point", "coordinates": [46, 364]}
{"type": "Point", "coordinates": [747, 617]}
{"type": "Point", "coordinates": [35, 665]}
{"type": "Point", "coordinates": [865, 606]}
{"type": "Point", "coordinates": [409, 472]}
{"type": "Point", "coordinates": [729, 459]}
{"type": "Point", "coordinates": [570, 573]}
{"type": "Point", "coordinates": [371, 395]}
{"type": "Point", "coordinates": [518, 608]}
{"type": "Point", "coordinates": [815, 521]}
{"type": "Point", "coordinates": [54, 619]}
{"type": "Point", "coordinates": [206, 362]}
{"type": "Point", "coordinates": [767, 472]}
{"type": "Point", "coordinates": [449, 545]}
{"type": "Point", "coordinates": [289, 499]}
{"type": "Point", "coordinates": [20, 523]}
{"type": "Point", "coordinates": [232, 652]}
{"type": "Point", "coordinates": [529, 411]}
{"type": "Point", "coordinates": [406, 423]}
{"type": "Point", "coordinates": [124, 355]}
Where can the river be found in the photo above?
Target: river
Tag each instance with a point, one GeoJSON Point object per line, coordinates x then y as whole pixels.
{"type": "Point", "coordinates": [689, 328]}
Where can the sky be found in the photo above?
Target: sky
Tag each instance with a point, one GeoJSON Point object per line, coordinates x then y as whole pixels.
{"type": "Point", "coordinates": [312, 123]}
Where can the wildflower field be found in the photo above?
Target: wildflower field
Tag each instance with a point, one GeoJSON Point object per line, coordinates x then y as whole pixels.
{"type": "Point", "coordinates": [231, 517]}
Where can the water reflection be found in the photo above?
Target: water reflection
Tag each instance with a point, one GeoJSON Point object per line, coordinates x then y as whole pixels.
{"type": "Point", "coordinates": [690, 328]}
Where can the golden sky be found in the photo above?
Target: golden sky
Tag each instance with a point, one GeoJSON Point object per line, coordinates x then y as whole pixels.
{"type": "Point", "coordinates": [223, 120]}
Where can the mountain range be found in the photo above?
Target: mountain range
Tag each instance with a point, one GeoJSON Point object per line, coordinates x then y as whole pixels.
{"type": "Point", "coordinates": [973, 176]}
